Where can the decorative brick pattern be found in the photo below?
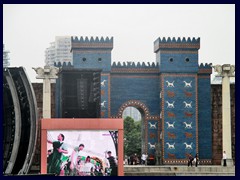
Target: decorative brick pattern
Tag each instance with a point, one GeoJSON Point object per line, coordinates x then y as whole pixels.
{"type": "Point", "coordinates": [176, 114]}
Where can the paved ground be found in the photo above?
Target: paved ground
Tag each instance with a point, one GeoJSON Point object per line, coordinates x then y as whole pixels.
{"type": "Point", "coordinates": [166, 170]}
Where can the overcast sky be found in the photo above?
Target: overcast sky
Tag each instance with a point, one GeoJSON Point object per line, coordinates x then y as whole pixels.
{"type": "Point", "coordinates": [29, 29]}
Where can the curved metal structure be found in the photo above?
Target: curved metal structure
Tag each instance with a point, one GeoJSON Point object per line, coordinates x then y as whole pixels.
{"type": "Point", "coordinates": [20, 121]}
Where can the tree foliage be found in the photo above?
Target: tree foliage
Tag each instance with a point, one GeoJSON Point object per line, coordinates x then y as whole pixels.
{"type": "Point", "coordinates": [132, 136]}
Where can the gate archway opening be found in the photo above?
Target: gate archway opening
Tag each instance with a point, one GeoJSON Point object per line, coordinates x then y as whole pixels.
{"type": "Point", "coordinates": [134, 131]}
{"type": "Point", "coordinates": [140, 134]}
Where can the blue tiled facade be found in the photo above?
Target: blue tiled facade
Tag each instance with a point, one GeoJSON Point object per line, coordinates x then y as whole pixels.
{"type": "Point", "coordinates": [141, 87]}
{"type": "Point", "coordinates": [204, 115]}
{"type": "Point", "coordinates": [93, 53]}
{"type": "Point", "coordinates": [179, 115]}
{"type": "Point", "coordinates": [172, 94]}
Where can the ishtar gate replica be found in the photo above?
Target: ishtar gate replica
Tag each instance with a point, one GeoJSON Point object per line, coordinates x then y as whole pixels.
{"type": "Point", "coordinates": [168, 93]}
{"type": "Point", "coordinates": [173, 95]}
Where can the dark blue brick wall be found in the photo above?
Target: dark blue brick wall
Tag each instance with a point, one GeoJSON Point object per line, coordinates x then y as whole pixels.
{"type": "Point", "coordinates": [142, 88]}
{"type": "Point", "coordinates": [92, 60]}
{"type": "Point", "coordinates": [178, 63]}
{"type": "Point", "coordinates": [204, 118]}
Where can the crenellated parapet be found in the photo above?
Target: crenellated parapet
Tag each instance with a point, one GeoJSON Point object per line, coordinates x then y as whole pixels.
{"type": "Point", "coordinates": [178, 43]}
{"type": "Point", "coordinates": [134, 65]}
{"type": "Point", "coordinates": [92, 43]}
{"type": "Point", "coordinates": [139, 67]}
{"type": "Point", "coordinates": [64, 64]}
{"type": "Point", "coordinates": [205, 68]}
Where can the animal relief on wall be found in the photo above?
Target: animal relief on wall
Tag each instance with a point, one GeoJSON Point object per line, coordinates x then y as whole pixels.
{"type": "Point", "coordinates": [170, 125]}
{"type": "Point", "coordinates": [170, 84]}
{"type": "Point", "coordinates": [188, 94]}
{"type": "Point", "coordinates": [152, 135]}
{"type": "Point", "coordinates": [103, 83]}
{"type": "Point", "coordinates": [187, 84]}
{"type": "Point", "coordinates": [188, 135]}
{"type": "Point", "coordinates": [171, 156]}
{"type": "Point", "coordinates": [152, 125]}
{"type": "Point", "coordinates": [171, 135]}
{"type": "Point", "coordinates": [188, 146]}
{"type": "Point", "coordinates": [170, 105]}
{"type": "Point", "coordinates": [188, 105]}
{"type": "Point", "coordinates": [171, 115]}
{"type": "Point", "coordinates": [188, 114]}
{"type": "Point", "coordinates": [103, 104]}
{"type": "Point", "coordinates": [170, 93]}
{"type": "Point", "coordinates": [188, 125]}
{"type": "Point", "coordinates": [152, 146]}
{"type": "Point", "coordinates": [171, 146]}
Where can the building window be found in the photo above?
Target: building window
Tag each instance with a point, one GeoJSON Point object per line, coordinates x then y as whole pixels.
{"type": "Point", "coordinates": [84, 59]}
{"type": "Point", "coordinates": [99, 59]}
{"type": "Point", "coordinates": [187, 60]}
{"type": "Point", "coordinates": [171, 59]}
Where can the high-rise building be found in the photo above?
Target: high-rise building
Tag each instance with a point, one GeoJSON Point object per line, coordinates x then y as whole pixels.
{"type": "Point", "coordinates": [6, 59]}
{"type": "Point", "coordinates": [59, 51]}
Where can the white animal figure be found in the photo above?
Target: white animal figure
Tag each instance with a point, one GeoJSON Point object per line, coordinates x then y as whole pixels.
{"type": "Point", "coordinates": [170, 84]}
{"type": "Point", "coordinates": [153, 126]}
{"type": "Point", "coordinates": [170, 105]}
{"type": "Point", "coordinates": [170, 125]}
{"type": "Point", "coordinates": [188, 146]}
{"type": "Point", "coordinates": [152, 146]}
{"type": "Point", "coordinates": [188, 126]}
{"type": "Point", "coordinates": [103, 83]}
{"type": "Point", "coordinates": [188, 105]}
{"type": "Point", "coordinates": [103, 104]}
{"type": "Point", "coordinates": [187, 84]}
{"type": "Point", "coordinates": [171, 146]}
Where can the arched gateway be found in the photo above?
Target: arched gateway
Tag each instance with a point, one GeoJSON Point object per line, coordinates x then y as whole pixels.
{"type": "Point", "coordinates": [143, 109]}
{"type": "Point", "coordinates": [173, 94]}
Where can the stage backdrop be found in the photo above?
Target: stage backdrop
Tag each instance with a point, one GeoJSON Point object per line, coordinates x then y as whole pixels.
{"type": "Point", "coordinates": [97, 135]}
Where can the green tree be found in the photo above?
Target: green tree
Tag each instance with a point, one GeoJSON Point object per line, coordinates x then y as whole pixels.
{"type": "Point", "coordinates": [132, 136]}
